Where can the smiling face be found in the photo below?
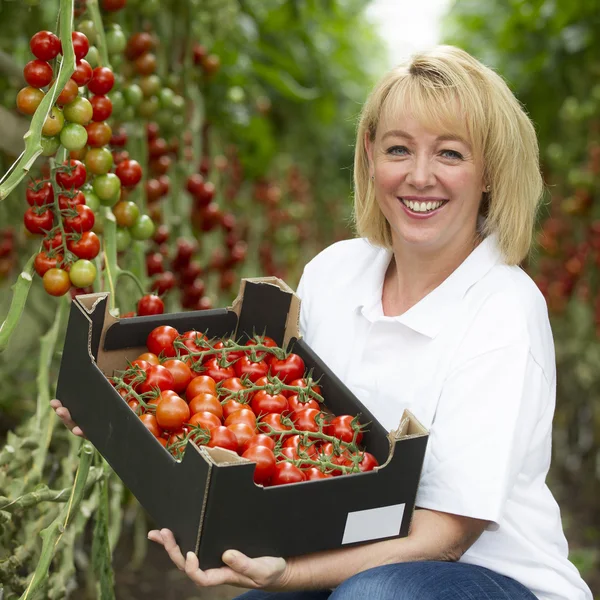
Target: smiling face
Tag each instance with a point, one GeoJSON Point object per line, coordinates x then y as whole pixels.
{"type": "Point", "coordinates": [428, 183]}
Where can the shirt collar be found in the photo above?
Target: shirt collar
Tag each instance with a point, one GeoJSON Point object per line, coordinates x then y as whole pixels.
{"type": "Point", "coordinates": [430, 314]}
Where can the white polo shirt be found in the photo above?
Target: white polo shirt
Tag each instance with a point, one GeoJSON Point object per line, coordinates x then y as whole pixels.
{"type": "Point", "coordinates": [474, 362]}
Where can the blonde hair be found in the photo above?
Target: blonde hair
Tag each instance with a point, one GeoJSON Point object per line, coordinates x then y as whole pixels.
{"type": "Point", "coordinates": [432, 84]}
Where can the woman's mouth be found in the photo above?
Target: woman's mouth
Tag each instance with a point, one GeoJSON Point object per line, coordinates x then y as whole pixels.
{"type": "Point", "coordinates": [422, 207]}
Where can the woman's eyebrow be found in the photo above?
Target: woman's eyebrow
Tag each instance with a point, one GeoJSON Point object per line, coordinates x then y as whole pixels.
{"type": "Point", "coordinates": [447, 137]}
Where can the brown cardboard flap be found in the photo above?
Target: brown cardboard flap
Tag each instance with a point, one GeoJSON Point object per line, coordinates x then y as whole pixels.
{"type": "Point", "coordinates": [409, 427]}
{"type": "Point", "coordinates": [221, 456]}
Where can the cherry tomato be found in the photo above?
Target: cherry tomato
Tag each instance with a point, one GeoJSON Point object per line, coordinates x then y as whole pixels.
{"type": "Point", "coordinates": [113, 5]}
{"type": "Point", "coordinates": [290, 368]}
{"type": "Point", "coordinates": [194, 341]}
{"type": "Point", "coordinates": [39, 192]}
{"type": "Point", "coordinates": [50, 145]}
{"type": "Point", "coordinates": [37, 73]}
{"type": "Point", "coordinates": [263, 403]}
{"type": "Point", "coordinates": [102, 81]}
{"type": "Point", "coordinates": [102, 107]}
{"type": "Point", "coordinates": [149, 357]}
{"type": "Point", "coordinates": [285, 472]}
{"type": "Point", "coordinates": [232, 405]}
{"type": "Point", "coordinates": [341, 428]}
{"type": "Point", "coordinates": [138, 44]}
{"type": "Point", "coordinates": [368, 462]}
{"type": "Point", "coordinates": [205, 419]}
{"type": "Point", "coordinates": [28, 99]}
{"type": "Point", "coordinates": [271, 425]}
{"type": "Point", "coordinates": [79, 111]}
{"type": "Point", "coordinates": [159, 377]}
{"type": "Point", "coordinates": [135, 373]}
{"type": "Point", "coordinates": [38, 222]}
{"type": "Point", "coordinates": [129, 172]}
{"type": "Point", "coordinates": [99, 134]}
{"type": "Point", "coordinates": [82, 273]}
{"type": "Point", "coordinates": [54, 122]}
{"type": "Point", "coordinates": [73, 136]}
{"type": "Point", "coordinates": [218, 373]}
{"type": "Point", "coordinates": [107, 187]}
{"type": "Point", "coordinates": [265, 463]}
{"type": "Point", "coordinates": [145, 64]}
{"type": "Point", "coordinates": [68, 93]}
{"type": "Point", "coordinates": [181, 374]}
{"type": "Point", "coordinates": [260, 439]}
{"type": "Point", "coordinates": [56, 282]}
{"type": "Point", "coordinates": [243, 432]}
{"type": "Point", "coordinates": [254, 370]}
{"type": "Point", "coordinates": [342, 458]}
{"type": "Point", "coordinates": [83, 221]}
{"type": "Point", "coordinates": [71, 200]}
{"type": "Point", "coordinates": [199, 385]}
{"type": "Point", "coordinates": [233, 384]}
{"type": "Point", "coordinates": [206, 402]}
{"type": "Point", "coordinates": [81, 44]}
{"type": "Point", "coordinates": [160, 340]}
{"type": "Point", "coordinates": [151, 424]}
{"type": "Point", "coordinates": [223, 438]}
{"type": "Point", "coordinates": [155, 263]}
{"type": "Point", "coordinates": [83, 73]}
{"type": "Point", "coordinates": [98, 161]}
{"type": "Point", "coordinates": [150, 305]}
{"type": "Point", "coordinates": [172, 412]}
{"type": "Point", "coordinates": [71, 175]}
{"type": "Point", "coordinates": [126, 213]}
{"type": "Point", "coordinates": [86, 246]}
{"type": "Point", "coordinates": [230, 356]}
{"type": "Point", "coordinates": [51, 243]}
{"type": "Point", "coordinates": [295, 404]}
{"type": "Point", "coordinates": [43, 262]}
{"type": "Point", "coordinates": [143, 228]}
{"type": "Point", "coordinates": [302, 383]}
{"type": "Point", "coordinates": [269, 343]}
{"type": "Point", "coordinates": [307, 419]}
{"type": "Point", "coordinates": [314, 473]}
{"type": "Point", "coordinates": [45, 45]}
{"type": "Point", "coordinates": [243, 415]}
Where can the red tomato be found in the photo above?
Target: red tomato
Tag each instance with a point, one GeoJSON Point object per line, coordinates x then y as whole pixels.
{"type": "Point", "coordinates": [45, 45]}
{"type": "Point", "coordinates": [68, 93]}
{"type": "Point", "coordinates": [243, 432]}
{"type": "Point", "coordinates": [337, 458]}
{"type": "Point", "coordinates": [290, 368]}
{"type": "Point", "coordinates": [135, 372]}
{"type": "Point", "coordinates": [99, 134]}
{"type": "Point", "coordinates": [295, 404]}
{"type": "Point", "coordinates": [341, 428]}
{"type": "Point", "coordinates": [159, 377]}
{"type": "Point", "coordinates": [243, 415]}
{"type": "Point", "coordinates": [302, 384]}
{"type": "Point", "coordinates": [83, 221]}
{"type": "Point", "coordinates": [161, 339]}
{"type": "Point", "coordinates": [307, 419]}
{"type": "Point", "coordinates": [43, 262]}
{"type": "Point", "coordinates": [149, 357]}
{"type": "Point", "coordinates": [218, 373]}
{"type": "Point", "coordinates": [38, 222]}
{"type": "Point", "coordinates": [87, 246]}
{"type": "Point", "coordinates": [265, 463]}
{"type": "Point", "coordinates": [181, 374]}
{"type": "Point", "coordinates": [201, 384]}
{"type": "Point", "coordinates": [263, 403]}
{"type": "Point", "coordinates": [254, 370]}
{"type": "Point", "coordinates": [230, 356]}
{"type": "Point", "coordinates": [71, 199]}
{"type": "Point", "coordinates": [223, 437]}
{"type": "Point", "coordinates": [102, 81]}
{"type": "Point", "coordinates": [271, 425]}
{"type": "Point", "coordinates": [194, 341]}
{"type": "Point", "coordinates": [39, 192]}
{"type": "Point", "coordinates": [138, 44]}
{"type": "Point", "coordinates": [260, 439]}
{"type": "Point", "coordinates": [172, 412]}
{"type": "Point", "coordinates": [150, 423]}
{"type": "Point", "coordinates": [37, 73]}
{"type": "Point", "coordinates": [233, 384]}
{"type": "Point", "coordinates": [72, 174]}
{"type": "Point", "coordinates": [205, 402]}
{"type": "Point", "coordinates": [162, 441]}
{"type": "Point", "coordinates": [368, 462]}
{"type": "Point", "coordinates": [28, 100]}
{"type": "Point", "coordinates": [150, 305]}
{"type": "Point", "coordinates": [56, 282]}
{"type": "Point", "coordinates": [113, 5]}
{"type": "Point", "coordinates": [102, 107]}
{"type": "Point", "coordinates": [313, 474]}
{"type": "Point", "coordinates": [81, 44]}
{"type": "Point", "coordinates": [285, 472]}
{"type": "Point", "coordinates": [129, 172]}
{"type": "Point", "coordinates": [54, 242]}
{"type": "Point", "coordinates": [205, 420]}
{"type": "Point", "coordinates": [232, 405]}
{"type": "Point", "coordinates": [83, 73]}
{"type": "Point", "coordinates": [269, 343]}
{"type": "Point", "coordinates": [302, 450]}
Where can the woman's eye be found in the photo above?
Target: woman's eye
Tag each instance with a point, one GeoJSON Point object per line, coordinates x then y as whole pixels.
{"type": "Point", "coordinates": [397, 150]}
{"type": "Point", "coordinates": [452, 154]}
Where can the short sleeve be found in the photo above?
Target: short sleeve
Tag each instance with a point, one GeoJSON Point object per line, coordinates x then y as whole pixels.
{"type": "Point", "coordinates": [485, 423]}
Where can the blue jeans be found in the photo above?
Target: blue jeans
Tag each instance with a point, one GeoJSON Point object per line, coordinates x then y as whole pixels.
{"type": "Point", "coordinates": [425, 580]}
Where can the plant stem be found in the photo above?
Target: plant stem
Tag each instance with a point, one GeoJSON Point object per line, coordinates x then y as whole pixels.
{"type": "Point", "coordinates": [138, 283]}
{"type": "Point", "coordinates": [94, 10]}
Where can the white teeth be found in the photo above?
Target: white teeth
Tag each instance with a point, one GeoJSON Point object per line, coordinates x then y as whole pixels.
{"type": "Point", "coordinates": [421, 206]}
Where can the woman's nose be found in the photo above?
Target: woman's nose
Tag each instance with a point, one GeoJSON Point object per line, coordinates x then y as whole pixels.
{"type": "Point", "coordinates": [420, 173]}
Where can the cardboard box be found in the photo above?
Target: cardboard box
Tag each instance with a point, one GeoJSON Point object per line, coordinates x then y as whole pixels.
{"type": "Point", "coordinates": [209, 499]}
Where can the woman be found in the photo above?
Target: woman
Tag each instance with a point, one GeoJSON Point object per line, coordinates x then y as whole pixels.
{"type": "Point", "coordinates": [427, 310]}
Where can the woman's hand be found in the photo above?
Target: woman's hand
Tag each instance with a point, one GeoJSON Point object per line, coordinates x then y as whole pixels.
{"type": "Point", "coordinates": [265, 572]}
{"type": "Point", "coordinates": [65, 416]}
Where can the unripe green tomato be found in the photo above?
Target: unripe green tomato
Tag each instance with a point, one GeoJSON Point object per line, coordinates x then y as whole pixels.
{"type": "Point", "coordinates": [178, 104]}
{"type": "Point", "coordinates": [150, 85]}
{"type": "Point", "coordinates": [88, 28]}
{"type": "Point", "coordinates": [123, 239]}
{"type": "Point", "coordinates": [93, 57]}
{"type": "Point", "coordinates": [148, 107]}
{"type": "Point", "coordinates": [236, 94]}
{"type": "Point", "coordinates": [133, 94]}
{"type": "Point", "coordinates": [98, 161]}
{"type": "Point", "coordinates": [79, 111]}
{"type": "Point", "coordinates": [165, 97]}
{"type": "Point", "coordinates": [143, 228]}
{"type": "Point", "coordinates": [115, 40]}
{"type": "Point", "coordinates": [82, 273]}
{"type": "Point", "coordinates": [73, 136]}
{"type": "Point", "coordinates": [50, 145]}
{"type": "Point", "coordinates": [118, 102]}
{"type": "Point", "coordinates": [91, 200]}
{"type": "Point", "coordinates": [54, 122]}
{"type": "Point", "coordinates": [108, 188]}
{"type": "Point", "coordinates": [116, 61]}
{"type": "Point", "coordinates": [98, 224]}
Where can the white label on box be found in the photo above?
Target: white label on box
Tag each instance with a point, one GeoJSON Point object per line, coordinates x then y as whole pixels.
{"type": "Point", "coordinates": [373, 524]}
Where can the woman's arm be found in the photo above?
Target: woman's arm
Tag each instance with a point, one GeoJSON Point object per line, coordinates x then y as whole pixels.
{"type": "Point", "coordinates": [433, 536]}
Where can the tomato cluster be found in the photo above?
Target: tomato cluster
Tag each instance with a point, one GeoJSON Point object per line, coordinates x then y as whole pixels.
{"type": "Point", "coordinates": [253, 399]}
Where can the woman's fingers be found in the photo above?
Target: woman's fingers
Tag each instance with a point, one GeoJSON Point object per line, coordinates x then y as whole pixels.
{"type": "Point", "coordinates": [168, 541]}
{"type": "Point", "coordinates": [65, 416]}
